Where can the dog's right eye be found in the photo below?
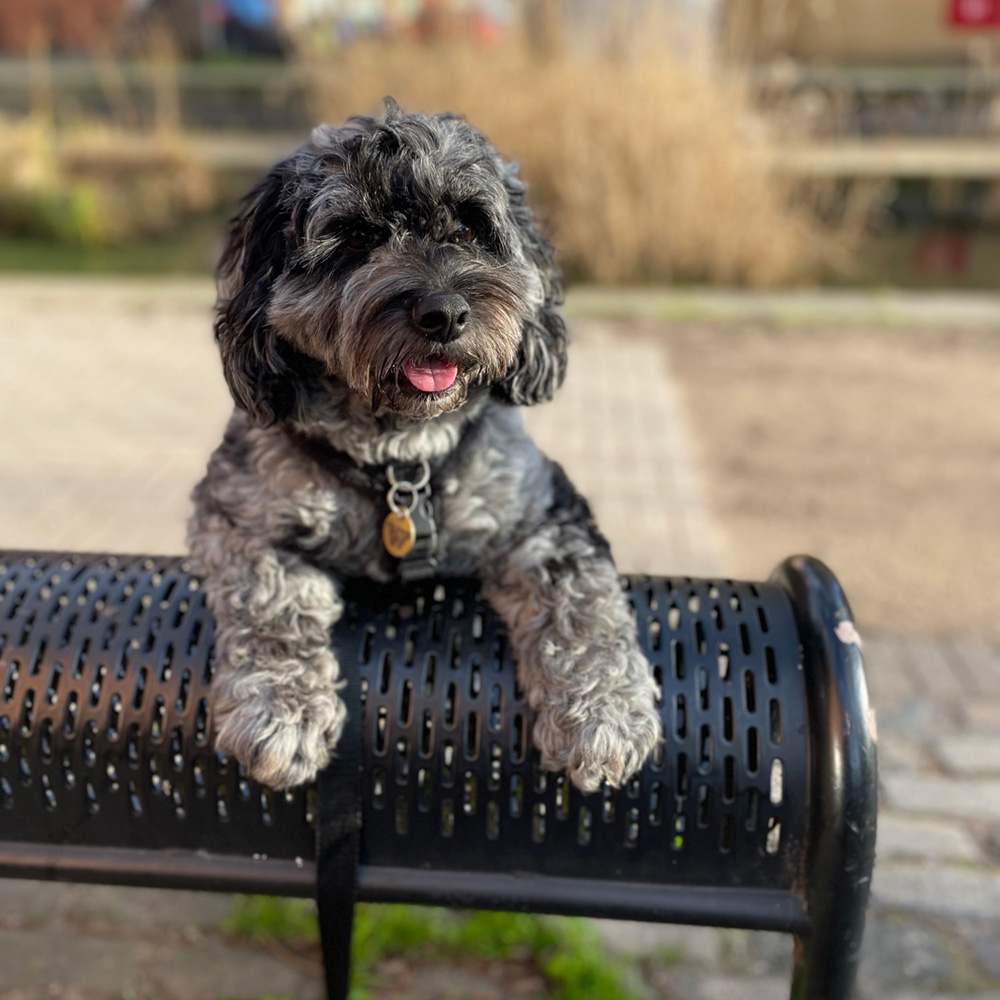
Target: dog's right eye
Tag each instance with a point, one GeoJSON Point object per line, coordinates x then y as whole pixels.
{"type": "Point", "coordinates": [360, 240]}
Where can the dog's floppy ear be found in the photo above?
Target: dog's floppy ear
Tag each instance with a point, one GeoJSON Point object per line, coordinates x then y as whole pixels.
{"type": "Point", "coordinates": [254, 361]}
{"type": "Point", "coordinates": [540, 365]}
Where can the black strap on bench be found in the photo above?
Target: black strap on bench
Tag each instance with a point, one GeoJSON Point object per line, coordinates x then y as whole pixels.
{"type": "Point", "coordinates": [338, 842]}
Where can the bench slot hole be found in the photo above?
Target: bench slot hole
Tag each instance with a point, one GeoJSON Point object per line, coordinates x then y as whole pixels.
{"type": "Point", "coordinates": [773, 835]}
{"type": "Point", "coordinates": [749, 692]}
{"type": "Point", "coordinates": [777, 783]}
{"type": "Point", "coordinates": [427, 734]}
{"type": "Point", "coordinates": [406, 703]}
{"type": "Point", "coordinates": [516, 799]}
{"type": "Point", "coordinates": [729, 779]}
{"type": "Point", "coordinates": [385, 672]}
{"type": "Point", "coordinates": [774, 715]}
{"type": "Point", "coordinates": [702, 680]}
{"type": "Point", "coordinates": [772, 665]}
{"type": "Point", "coordinates": [518, 747]}
{"type": "Point", "coordinates": [723, 661]}
{"type": "Point", "coordinates": [538, 823]}
{"type": "Point", "coordinates": [727, 833]}
{"type": "Point", "coordinates": [677, 659]}
{"type": "Point", "coordinates": [704, 806]}
{"type": "Point", "coordinates": [430, 671]}
{"type": "Point", "coordinates": [753, 750]}
{"type": "Point", "coordinates": [680, 716]}
{"type": "Point", "coordinates": [496, 708]}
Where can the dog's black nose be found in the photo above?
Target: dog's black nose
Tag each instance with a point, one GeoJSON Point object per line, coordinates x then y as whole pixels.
{"type": "Point", "coordinates": [441, 316]}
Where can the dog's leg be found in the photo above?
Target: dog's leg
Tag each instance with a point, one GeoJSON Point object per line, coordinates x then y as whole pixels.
{"type": "Point", "coordinates": [578, 658]}
{"type": "Point", "coordinates": [274, 693]}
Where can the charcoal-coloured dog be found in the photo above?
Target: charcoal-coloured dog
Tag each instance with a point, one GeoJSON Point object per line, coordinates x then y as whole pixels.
{"type": "Point", "coordinates": [385, 303]}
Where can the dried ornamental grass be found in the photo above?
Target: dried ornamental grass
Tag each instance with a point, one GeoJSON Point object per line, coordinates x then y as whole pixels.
{"type": "Point", "coordinates": [646, 166]}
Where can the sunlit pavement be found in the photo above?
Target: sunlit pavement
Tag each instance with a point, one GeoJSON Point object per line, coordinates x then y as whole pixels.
{"type": "Point", "coordinates": [112, 398]}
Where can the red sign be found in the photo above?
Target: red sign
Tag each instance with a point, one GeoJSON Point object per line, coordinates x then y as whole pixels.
{"type": "Point", "coordinates": [974, 13]}
{"type": "Point", "coordinates": [943, 254]}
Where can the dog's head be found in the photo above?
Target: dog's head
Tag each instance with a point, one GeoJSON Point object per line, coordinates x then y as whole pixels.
{"type": "Point", "coordinates": [399, 257]}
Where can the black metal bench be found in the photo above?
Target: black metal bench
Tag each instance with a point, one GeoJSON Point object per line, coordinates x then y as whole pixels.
{"type": "Point", "coordinates": [758, 812]}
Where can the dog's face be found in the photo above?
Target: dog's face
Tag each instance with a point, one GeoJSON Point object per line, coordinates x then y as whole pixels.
{"type": "Point", "coordinates": [398, 257]}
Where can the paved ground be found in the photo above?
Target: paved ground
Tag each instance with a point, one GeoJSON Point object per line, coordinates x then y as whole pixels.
{"type": "Point", "coordinates": [111, 398]}
{"type": "Point", "coordinates": [115, 398]}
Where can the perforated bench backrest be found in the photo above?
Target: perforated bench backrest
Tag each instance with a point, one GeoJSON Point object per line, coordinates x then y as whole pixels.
{"type": "Point", "coordinates": [106, 742]}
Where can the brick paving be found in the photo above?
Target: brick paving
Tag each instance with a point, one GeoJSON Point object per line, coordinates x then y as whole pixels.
{"type": "Point", "coordinates": [111, 399]}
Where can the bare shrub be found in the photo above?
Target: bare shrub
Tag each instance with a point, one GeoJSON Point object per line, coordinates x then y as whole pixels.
{"type": "Point", "coordinates": [96, 184]}
{"type": "Point", "coordinates": [92, 182]}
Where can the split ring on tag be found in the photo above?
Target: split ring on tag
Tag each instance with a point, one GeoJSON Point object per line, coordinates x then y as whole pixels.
{"type": "Point", "coordinates": [392, 497]}
{"type": "Point", "coordinates": [425, 477]}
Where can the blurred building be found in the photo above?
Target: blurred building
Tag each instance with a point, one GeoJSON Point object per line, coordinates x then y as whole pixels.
{"type": "Point", "coordinates": [347, 20]}
{"type": "Point", "coordinates": [59, 25]}
{"type": "Point", "coordinates": [252, 27]}
{"type": "Point", "coordinates": [863, 31]}
{"type": "Point", "coordinates": [262, 27]}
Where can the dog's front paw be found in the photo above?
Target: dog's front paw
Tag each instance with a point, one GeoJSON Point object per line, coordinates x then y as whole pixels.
{"type": "Point", "coordinates": [600, 734]}
{"type": "Point", "coordinates": [282, 751]}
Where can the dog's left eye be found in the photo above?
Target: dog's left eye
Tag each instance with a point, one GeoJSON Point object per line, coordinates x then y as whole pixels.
{"type": "Point", "coordinates": [463, 234]}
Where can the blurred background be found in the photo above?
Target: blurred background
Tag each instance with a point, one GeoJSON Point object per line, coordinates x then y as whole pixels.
{"type": "Point", "coordinates": [780, 225]}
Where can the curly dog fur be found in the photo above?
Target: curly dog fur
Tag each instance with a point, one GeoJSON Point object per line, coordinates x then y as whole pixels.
{"type": "Point", "coordinates": [329, 264]}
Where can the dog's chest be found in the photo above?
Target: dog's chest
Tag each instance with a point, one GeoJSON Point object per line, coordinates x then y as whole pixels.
{"type": "Point", "coordinates": [342, 525]}
{"type": "Point", "coordinates": [476, 497]}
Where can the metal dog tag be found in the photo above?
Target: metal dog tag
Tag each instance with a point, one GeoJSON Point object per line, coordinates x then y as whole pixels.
{"type": "Point", "coordinates": [399, 533]}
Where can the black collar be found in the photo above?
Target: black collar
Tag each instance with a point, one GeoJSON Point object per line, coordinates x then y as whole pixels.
{"type": "Point", "coordinates": [340, 463]}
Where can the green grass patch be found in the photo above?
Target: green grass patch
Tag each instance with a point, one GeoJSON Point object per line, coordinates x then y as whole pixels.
{"type": "Point", "coordinates": [259, 919]}
{"type": "Point", "coordinates": [568, 951]}
{"type": "Point", "coordinates": [191, 249]}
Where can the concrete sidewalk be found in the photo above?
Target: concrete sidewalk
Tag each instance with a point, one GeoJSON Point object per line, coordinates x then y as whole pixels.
{"type": "Point", "coordinates": [112, 399]}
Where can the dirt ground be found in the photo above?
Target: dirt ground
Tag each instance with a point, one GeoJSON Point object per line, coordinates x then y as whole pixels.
{"type": "Point", "coordinates": [876, 449]}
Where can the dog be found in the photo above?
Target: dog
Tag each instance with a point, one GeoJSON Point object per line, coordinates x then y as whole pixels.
{"type": "Point", "coordinates": [386, 302]}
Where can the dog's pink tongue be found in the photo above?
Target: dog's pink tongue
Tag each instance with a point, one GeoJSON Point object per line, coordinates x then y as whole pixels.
{"type": "Point", "coordinates": [432, 375]}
